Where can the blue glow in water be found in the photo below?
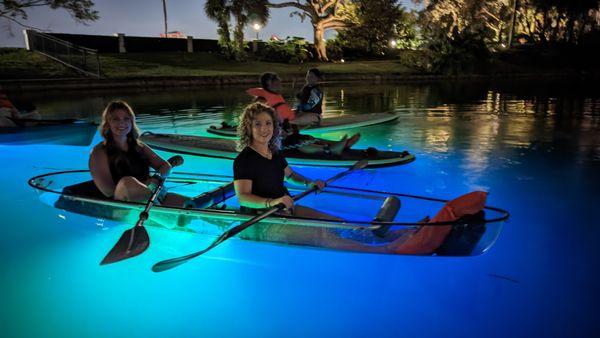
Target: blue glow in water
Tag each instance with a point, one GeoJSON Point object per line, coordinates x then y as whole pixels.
{"type": "Point", "coordinates": [540, 278]}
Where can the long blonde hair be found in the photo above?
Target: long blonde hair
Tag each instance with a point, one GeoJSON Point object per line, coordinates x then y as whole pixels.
{"type": "Point", "coordinates": [134, 134]}
{"type": "Point", "coordinates": [244, 129]}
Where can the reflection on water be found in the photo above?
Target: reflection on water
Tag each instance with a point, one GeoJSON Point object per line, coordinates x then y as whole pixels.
{"type": "Point", "coordinates": [535, 147]}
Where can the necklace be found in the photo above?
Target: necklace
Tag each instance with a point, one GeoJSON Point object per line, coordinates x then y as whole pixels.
{"type": "Point", "coordinates": [267, 155]}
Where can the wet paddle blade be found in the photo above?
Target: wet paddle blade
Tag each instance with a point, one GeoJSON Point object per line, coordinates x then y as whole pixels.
{"type": "Point", "coordinates": [132, 243]}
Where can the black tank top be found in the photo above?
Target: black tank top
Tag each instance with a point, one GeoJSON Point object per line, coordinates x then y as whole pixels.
{"type": "Point", "coordinates": [127, 163]}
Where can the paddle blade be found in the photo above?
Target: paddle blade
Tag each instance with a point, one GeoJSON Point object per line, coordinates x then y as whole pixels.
{"type": "Point", "coordinates": [132, 243]}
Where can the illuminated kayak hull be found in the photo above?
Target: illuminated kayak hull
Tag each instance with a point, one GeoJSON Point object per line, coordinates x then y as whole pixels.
{"type": "Point", "coordinates": [356, 206]}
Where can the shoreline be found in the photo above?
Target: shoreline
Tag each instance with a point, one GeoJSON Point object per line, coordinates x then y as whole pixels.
{"type": "Point", "coordinates": [48, 85]}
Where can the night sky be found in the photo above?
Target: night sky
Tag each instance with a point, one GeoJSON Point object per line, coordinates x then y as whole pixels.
{"type": "Point", "coordinates": [145, 18]}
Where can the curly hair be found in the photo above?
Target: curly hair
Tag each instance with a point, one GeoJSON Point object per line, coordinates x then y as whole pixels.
{"type": "Point", "coordinates": [244, 129]}
{"type": "Point", "coordinates": [134, 134]}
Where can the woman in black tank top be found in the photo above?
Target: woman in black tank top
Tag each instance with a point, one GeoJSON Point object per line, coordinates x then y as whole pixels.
{"type": "Point", "coordinates": [120, 165]}
{"type": "Point", "coordinates": [259, 172]}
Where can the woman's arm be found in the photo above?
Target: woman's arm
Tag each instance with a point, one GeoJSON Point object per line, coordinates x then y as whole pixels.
{"type": "Point", "coordinates": [298, 179]}
{"type": "Point", "coordinates": [156, 162]}
{"type": "Point", "coordinates": [100, 171]}
{"type": "Point", "coordinates": [243, 191]}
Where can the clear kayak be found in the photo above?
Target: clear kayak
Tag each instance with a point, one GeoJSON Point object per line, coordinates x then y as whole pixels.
{"type": "Point", "coordinates": [363, 212]}
{"type": "Point", "coordinates": [330, 124]}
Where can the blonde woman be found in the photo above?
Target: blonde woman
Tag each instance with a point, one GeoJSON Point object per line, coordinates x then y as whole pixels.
{"type": "Point", "coordinates": [120, 164]}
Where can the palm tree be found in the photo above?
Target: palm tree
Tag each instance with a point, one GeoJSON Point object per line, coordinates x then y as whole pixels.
{"type": "Point", "coordinates": [165, 13]}
{"type": "Point", "coordinates": [220, 11]}
{"type": "Point", "coordinates": [243, 11]}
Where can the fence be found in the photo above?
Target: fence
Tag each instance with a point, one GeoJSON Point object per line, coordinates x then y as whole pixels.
{"type": "Point", "coordinates": [82, 59]}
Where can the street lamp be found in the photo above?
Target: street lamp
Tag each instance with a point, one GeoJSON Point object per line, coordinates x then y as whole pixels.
{"type": "Point", "coordinates": [256, 27]}
{"type": "Point", "coordinates": [393, 43]}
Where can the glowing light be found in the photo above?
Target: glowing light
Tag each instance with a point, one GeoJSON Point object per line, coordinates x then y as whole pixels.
{"type": "Point", "coordinates": [342, 60]}
{"type": "Point", "coordinates": [256, 27]}
{"type": "Point", "coordinates": [393, 43]}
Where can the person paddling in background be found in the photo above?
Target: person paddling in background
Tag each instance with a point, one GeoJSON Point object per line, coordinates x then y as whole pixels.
{"type": "Point", "coordinates": [10, 116]}
{"type": "Point", "coordinates": [269, 94]}
{"type": "Point", "coordinates": [120, 164]}
{"type": "Point", "coordinates": [259, 172]}
{"type": "Point", "coordinates": [310, 108]}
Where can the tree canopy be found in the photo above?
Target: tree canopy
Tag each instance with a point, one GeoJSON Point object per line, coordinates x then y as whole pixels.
{"type": "Point", "coordinates": [16, 10]}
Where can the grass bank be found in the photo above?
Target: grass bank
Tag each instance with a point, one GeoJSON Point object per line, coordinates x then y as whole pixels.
{"type": "Point", "coordinates": [22, 64]}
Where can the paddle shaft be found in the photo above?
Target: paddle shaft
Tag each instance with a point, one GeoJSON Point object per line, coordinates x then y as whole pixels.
{"type": "Point", "coordinates": [135, 240]}
{"type": "Point", "coordinates": [171, 263]}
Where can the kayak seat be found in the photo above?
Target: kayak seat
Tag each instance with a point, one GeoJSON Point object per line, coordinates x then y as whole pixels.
{"type": "Point", "coordinates": [212, 198]}
{"type": "Point", "coordinates": [388, 211]}
{"type": "Point", "coordinates": [85, 189]}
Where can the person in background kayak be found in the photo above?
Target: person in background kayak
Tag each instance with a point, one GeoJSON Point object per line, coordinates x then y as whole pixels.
{"type": "Point", "coordinates": [10, 116]}
{"type": "Point", "coordinates": [269, 94]}
{"type": "Point", "coordinates": [259, 172]}
{"type": "Point", "coordinates": [120, 164]}
{"type": "Point", "coordinates": [310, 108]}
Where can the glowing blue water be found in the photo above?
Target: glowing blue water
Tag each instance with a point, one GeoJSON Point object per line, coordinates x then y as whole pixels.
{"type": "Point", "coordinates": [537, 153]}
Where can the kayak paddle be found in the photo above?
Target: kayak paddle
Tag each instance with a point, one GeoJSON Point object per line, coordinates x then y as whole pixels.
{"type": "Point", "coordinates": [174, 262]}
{"type": "Point", "coordinates": [135, 240]}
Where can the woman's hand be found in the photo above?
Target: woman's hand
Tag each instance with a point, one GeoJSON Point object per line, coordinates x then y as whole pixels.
{"type": "Point", "coordinates": [319, 184]}
{"type": "Point", "coordinates": [286, 200]}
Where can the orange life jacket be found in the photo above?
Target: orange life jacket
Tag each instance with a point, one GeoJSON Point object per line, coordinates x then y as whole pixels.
{"type": "Point", "coordinates": [5, 102]}
{"type": "Point", "coordinates": [428, 238]}
{"type": "Point", "coordinates": [276, 101]}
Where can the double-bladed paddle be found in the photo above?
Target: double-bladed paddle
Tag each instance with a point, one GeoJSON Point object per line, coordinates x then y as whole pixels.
{"type": "Point", "coordinates": [135, 240]}
{"type": "Point", "coordinates": [174, 262]}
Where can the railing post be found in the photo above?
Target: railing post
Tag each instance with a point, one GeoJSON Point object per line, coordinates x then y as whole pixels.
{"type": "Point", "coordinates": [190, 44]}
{"type": "Point", "coordinates": [26, 36]}
{"type": "Point", "coordinates": [121, 38]}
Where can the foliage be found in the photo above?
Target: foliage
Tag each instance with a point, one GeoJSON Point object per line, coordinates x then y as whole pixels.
{"type": "Point", "coordinates": [291, 50]}
{"type": "Point", "coordinates": [490, 17]}
{"type": "Point", "coordinates": [16, 10]}
{"type": "Point", "coordinates": [378, 22]}
{"type": "Point", "coordinates": [324, 15]}
{"type": "Point", "coordinates": [462, 52]}
{"type": "Point", "coordinates": [243, 11]}
{"type": "Point", "coordinates": [558, 21]}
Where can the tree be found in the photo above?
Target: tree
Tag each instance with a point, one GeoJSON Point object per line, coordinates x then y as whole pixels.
{"type": "Point", "coordinates": [488, 16]}
{"type": "Point", "coordinates": [165, 15]}
{"type": "Point", "coordinates": [220, 11]}
{"type": "Point", "coordinates": [16, 10]}
{"type": "Point", "coordinates": [377, 23]}
{"type": "Point", "coordinates": [243, 11]}
{"type": "Point", "coordinates": [324, 15]}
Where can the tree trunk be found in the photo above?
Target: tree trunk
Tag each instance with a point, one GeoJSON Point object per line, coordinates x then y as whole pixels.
{"type": "Point", "coordinates": [319, 43]}
{"type": "Point", "coordinates": [238, 36]}
{"type": "Point", "coordinates": [165, 14]}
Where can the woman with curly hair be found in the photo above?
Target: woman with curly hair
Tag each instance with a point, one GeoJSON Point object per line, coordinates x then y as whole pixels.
{"type": "Point", "coordinates": [259, 172]}
{"type": "Point", "coordinates": [120, 164]}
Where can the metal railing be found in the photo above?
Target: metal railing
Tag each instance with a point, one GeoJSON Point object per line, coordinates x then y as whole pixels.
{"type": "Point", "coordinates": [81, 59]}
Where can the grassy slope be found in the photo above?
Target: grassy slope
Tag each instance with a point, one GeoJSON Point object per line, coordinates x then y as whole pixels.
{"type": "Point", "coordinates": [19, 63]}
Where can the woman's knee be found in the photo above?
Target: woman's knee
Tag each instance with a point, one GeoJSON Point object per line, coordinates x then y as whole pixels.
{"type": "Point", "coordinates": [126, 187]}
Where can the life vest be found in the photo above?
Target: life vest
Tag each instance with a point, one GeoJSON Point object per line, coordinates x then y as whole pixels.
{"type": "Point", "coordinates": [5, 102]}
{"type": "Point", "coordinates": [428, 238]}
{"type": "Point", "coordinates": [276, 101]}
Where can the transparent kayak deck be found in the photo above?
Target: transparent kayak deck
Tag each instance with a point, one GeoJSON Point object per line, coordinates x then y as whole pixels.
{"type": "Point", "coordinates": [357, 208]}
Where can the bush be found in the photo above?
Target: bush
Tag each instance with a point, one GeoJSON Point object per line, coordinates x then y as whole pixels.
{"type": "Point", "coordinates": [464, 52]}
{"type": "Point", "coordinates": [291, 50]}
